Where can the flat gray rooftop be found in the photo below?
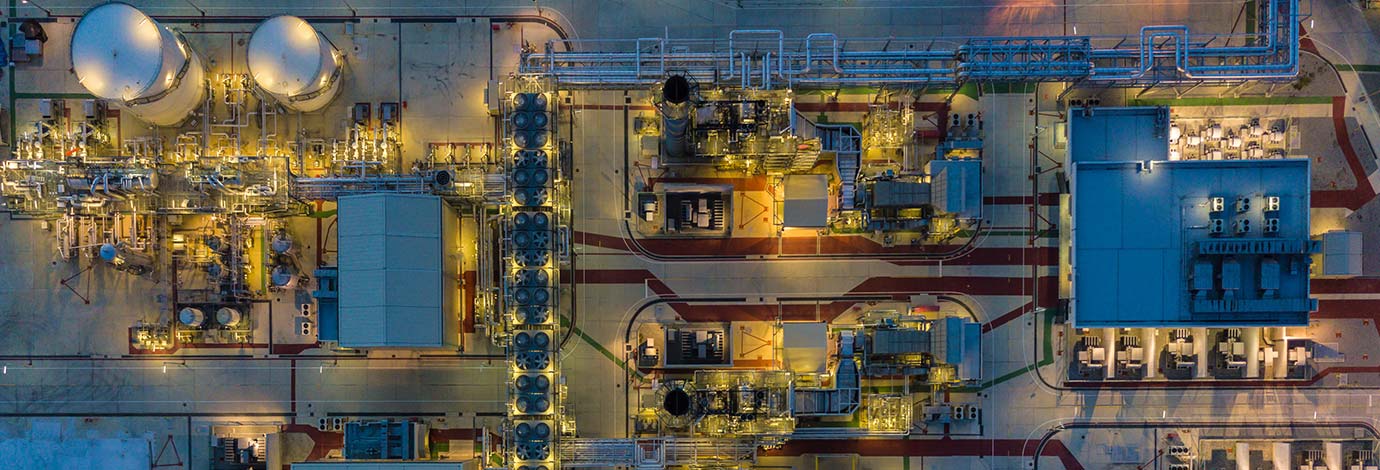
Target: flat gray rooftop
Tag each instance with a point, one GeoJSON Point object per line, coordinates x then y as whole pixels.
{"type": "Point", "coordinates": [1145, 252]}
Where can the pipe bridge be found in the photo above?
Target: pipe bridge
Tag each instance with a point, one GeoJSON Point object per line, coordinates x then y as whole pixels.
{"type": "Point", "coordinates": [1159, 55]}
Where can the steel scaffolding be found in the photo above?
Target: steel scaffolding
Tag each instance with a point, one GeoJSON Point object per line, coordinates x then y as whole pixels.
{"type": "Point", "coordinates": [766, 58]}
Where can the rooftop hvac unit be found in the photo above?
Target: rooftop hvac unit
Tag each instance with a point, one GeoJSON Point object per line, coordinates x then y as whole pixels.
{"type": "Point", "coordinates": [533, 440]}
{"type": "Point", "coordinates": [1231, 277]}
{"type": "Point", "coordinates": [1241, 226]}
{"type": "Point", "coordinates": [532, 240]}
{"type": "Point", "coordinates": [294, 63]}
{"type": "Point", "coordinates": [534, 315]}
{"type": "Point", "coordinates": [525, 296]}
{"type": "Point", "coordinates": [531, 341]}
{"type": "Point", "coordinates": [531, 221]}
{"type": "Point", "coordinates": [532, 278]}
{"type": "Point", "coordinates": [1243, 204]}
{"type": "Point", "coordinates": [532, 360]}
{"type": "Point", "coordinates": [1217, 204]}
{"type": "Point", "coordinates": [533, 257]}
{"type": "Point", "coordinates": [1269, 277]}
{"type": "Point", "coordinates": [1271, 203]}
{"type": "Point", "coordinates": [529, 159]}
{"type": "Point", "coordinates": [1217, 226]}
{"type": "Point", "coordinates": [530, 102]}
{"type": "Point", "coordinates": [1271, 225]}
{"type": "Point", "coordinates": [534, 394]}
{"type": "Point", "coordinates": [122, 55]}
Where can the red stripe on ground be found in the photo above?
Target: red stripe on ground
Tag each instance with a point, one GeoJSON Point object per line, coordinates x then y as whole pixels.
{"type": "Point", "coordinates": [613, 107]}
{"type": "Point", "coordinates": [1046, 199]}
{"type": "Point", "coordinates": [470, 279]}
{"type": "Point", "coordinates": [945, 447]}
{"type": "Point", "coordinates": [755, 183]}
{"type": "Point", "coordinates": [1355, 198]}
{"type": "Point", "coordinates": [1355, 285]}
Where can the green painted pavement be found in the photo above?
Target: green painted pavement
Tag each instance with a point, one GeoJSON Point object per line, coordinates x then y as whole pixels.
{"type": "Point", "coordinates": [565, 323]}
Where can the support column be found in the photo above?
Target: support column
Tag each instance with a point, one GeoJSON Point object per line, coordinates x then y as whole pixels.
{"type": "Point", "coordinates": [1278, 335]}
{"type": "Point", "coordinates": [1200, 351]}
{"type": "Point", "coordinates": [1251, 336]}
{"type": "Point", "coordinates": [1332, 454]}
{"type": "Point", "coordinates": [1109, 336]}
{"type": "Point", "coordinates": [1152, 352]}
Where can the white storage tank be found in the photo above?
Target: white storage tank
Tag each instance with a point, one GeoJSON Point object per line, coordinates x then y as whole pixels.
{"type": "Point", "coordinates": [295, 63]}
{"type": "Point", "coordinates": [227, 316]}
{"type": "Point", "coordinates": [122, 55]}
{"type": "Point", "coordinates": [191, 317]}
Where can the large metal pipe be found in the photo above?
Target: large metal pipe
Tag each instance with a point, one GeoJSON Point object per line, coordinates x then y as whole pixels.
{"type": "Point", "coordinates": [1200, 351]}
{"type": "Point", "coordinates": [1251, 336]}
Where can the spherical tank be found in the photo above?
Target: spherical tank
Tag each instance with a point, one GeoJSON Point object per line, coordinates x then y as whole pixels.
{"type": "Point", "coordinates": [294, 62]}
{"type": "Point", "coordinates": [122, 55]}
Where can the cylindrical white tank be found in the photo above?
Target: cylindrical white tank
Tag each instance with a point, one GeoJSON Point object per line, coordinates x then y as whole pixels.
{"type": "Point", "coordinates": [1109, 337]}
{"type": "Point", "coordinates": [1251, 336]}
{"type": "Point", "coordinates": [1152, 351]}
{"type": "Point", "coordinates": [1282, 457]}
{"type": "Point", "coordinates": [294, 62]}
{"type": "Point", "coordinates": [1243, 456]}
{"type": "Point", "coordinates": [284, 276]}
{"type": "Point", "coordinates": [1281, 364]}
{"type": "Point", "coordinates": [191, 317]}
{"type": "Point", "coordinates": [227, 316]}
{"type": "Point", "coordinates": [122, 55]}
{"type": "Point", "coordinates": [1200, 351]}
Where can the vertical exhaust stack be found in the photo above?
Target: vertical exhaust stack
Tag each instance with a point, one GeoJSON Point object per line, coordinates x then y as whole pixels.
{"type": "Point", "coordinates": [295, 63]}
{"type": "Point", "coordinates": [675, 116]}
{"type": "Point", "coordinates": [122, 55]}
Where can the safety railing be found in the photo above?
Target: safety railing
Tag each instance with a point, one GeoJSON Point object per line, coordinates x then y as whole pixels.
{"type": "Point", "coordinates": [766, 58]}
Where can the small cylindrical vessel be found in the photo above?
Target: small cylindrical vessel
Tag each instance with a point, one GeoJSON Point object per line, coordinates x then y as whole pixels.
{"type": "Point", "coordinates": [191, 317]}
{"type": "Point", "coordinates": [122, 55]}
{"type": "Point", "coordinates": [295, 63]}
{"type": "Point", "coordinates": [226, 316]}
